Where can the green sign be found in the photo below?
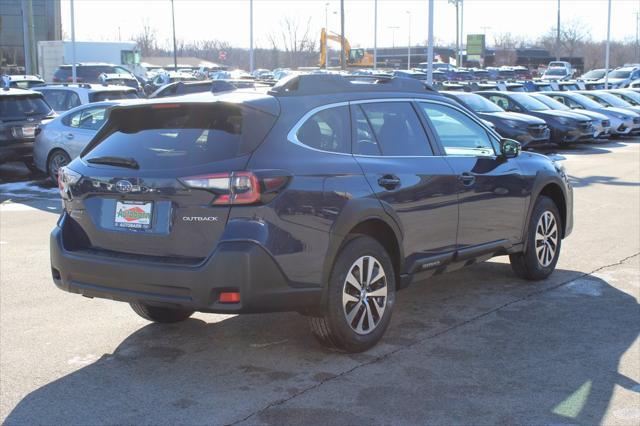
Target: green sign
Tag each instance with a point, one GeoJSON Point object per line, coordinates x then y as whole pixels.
{"type": "Point", "coordinates": [475, 44]}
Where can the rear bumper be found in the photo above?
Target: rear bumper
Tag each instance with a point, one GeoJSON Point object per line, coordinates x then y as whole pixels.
{"type": "Point", "coordinates": [16, 151]}
{"type": "Point", "coordinates": [235, 266]}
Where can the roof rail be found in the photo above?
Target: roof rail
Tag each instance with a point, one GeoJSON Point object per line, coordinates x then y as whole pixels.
{"type": "Point", "coordinates": [320, 84]}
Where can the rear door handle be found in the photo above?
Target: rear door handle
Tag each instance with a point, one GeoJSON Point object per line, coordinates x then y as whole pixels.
{"type": "Point", "coordinates": [467, 179]}
{"type": "Point", "coordinates": [69, 135]}
{"type": "Point", "coordinates": [389, 182]}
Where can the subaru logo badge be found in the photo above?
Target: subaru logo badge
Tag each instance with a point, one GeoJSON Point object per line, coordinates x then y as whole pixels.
{"type": "Point", "coordinates": [124, 186]}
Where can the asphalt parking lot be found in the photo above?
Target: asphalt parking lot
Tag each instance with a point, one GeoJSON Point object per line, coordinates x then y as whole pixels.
{"type": "Point", "coordinates": [473, 347]}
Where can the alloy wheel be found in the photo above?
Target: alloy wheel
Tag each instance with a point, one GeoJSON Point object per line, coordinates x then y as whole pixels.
{"type": "Point", "coordinates": [58, 160]}
{"type": "Point", "coordinates": [364, 294]}
{"type": "Point", "coordinates": [546, 239]}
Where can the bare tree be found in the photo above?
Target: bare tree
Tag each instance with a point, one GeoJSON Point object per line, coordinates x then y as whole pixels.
{"type": "Point", "coordinates": [147, 40]}
{"type": "Point", "coordinates": [296, 41]}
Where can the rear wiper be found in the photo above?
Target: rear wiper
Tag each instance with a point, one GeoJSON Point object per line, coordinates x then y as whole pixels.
{"type": "Point", "coordinates": [115, 161]}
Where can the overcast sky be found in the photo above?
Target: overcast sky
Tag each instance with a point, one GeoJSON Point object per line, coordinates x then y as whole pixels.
{"type": "Point", "coordinates": [228, 20]}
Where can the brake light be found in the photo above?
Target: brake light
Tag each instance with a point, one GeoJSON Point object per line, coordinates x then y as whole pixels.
{"type": "Point", "coordinates": [229, 297]}
{"type": "Point", "coordinates": [66, 178]}
{"type": "Point", "coordinates": [165, 106]}
{"type": "Point", "coordinates": [233, 188]}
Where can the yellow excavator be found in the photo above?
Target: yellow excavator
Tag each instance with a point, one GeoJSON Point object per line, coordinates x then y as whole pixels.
{"type": "Point", "coordinates": [356, 58]}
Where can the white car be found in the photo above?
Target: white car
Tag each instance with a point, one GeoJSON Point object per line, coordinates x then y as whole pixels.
{"type": "Point", "coordinates": [556, 74]}
{"type": "Point", "coordinates": [622, 77]}
{"type": "Point", "coordinates": [63, 97]}
{"type": "Point", "coordinates": [64, 138]}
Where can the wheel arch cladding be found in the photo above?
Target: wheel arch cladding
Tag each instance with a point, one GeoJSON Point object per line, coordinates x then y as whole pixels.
{"type": "Point", "coordinates": [364, 218]}
{"type": "Point", "coordinates": [380, 231]}
{"type": "Point", "coordinates": [553, 191]}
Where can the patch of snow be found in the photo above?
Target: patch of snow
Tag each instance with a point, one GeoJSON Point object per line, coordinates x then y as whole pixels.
{"type": "Point", "coordinates": [15, 188]}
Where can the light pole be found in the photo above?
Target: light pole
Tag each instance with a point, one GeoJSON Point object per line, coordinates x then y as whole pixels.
{"type": "Point", "coordinates": [409, 44]}
{"type": "Point", "coordinates": [251, 65]}
{"type": "Point", "coordinates": [74, 76]}
{"type": "Point", "coordinates": [375, 34]}
{"type": "Point", "coordinates": [558, 34]}
{"type": "Point", "coordinates": [606, 54]}
{"type": "Point", "coordinates": [343, 61]}
{"type": "Point", "coordinates": [326, 33]}
{"type": "Point", "coordinates": [456, 3]}
{"type": "Point", "coordinates": [175, 53]}
{"type": "Point", "coordinates": [430, 45]}
{"type": "Point", "coordinates": [638, 37]}
{"type": "Point", "coordinates": [461, 30]}
{"type": "Point", "coordinates": [28, 37]}
{"type": "Point", "coordinates": [393, 36]}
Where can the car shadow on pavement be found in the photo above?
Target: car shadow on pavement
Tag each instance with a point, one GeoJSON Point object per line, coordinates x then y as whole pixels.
{"type": "Point", "coordinates": [475, 346]}
{"type": "Point", "coordinates": [580, 182]}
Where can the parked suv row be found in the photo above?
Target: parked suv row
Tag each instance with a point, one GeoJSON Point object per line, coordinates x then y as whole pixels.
{"type": "Point", "coordinates": [324, 197]}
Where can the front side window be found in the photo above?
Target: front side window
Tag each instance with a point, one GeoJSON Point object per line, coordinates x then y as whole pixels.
{"type": "Point", "coordinates": [501, 101]}
{"type": "Point", "coordinates": [327, 130]}
{"type": "Point", "coordinates": [459, 134]}
{"type": "Point", "coordinates": [396, 129]}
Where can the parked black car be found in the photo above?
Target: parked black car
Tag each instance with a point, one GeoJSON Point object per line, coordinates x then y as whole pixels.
{"type": "Point", "coordinates": [526, 129]}
{"type": "Point", "coordinates": [88, 72]}
{"type": "Point", "coordinates": [566, 127]}
{"type": "Point", "coordinates": [179, 88]}
{"type": "Point", "coordinates": [21, 111]}
{"type": "Point", "coordinates": [322, 196]}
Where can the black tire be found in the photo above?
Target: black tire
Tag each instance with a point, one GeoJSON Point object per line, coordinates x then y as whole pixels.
{"type": "Point", "coordinates": [57, 159]}
{"type": "Point", "coordinates": [160, 313]}
{"type": "Point", "coordinates": [527, 265]}
{"type": "Point", "coordinates": [29, 164]}
{"type": "Point", "coordinates": [332, 328]}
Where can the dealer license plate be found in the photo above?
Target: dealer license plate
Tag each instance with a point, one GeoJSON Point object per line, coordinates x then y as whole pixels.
{"type": "Point", "coordinates": [133, 214]}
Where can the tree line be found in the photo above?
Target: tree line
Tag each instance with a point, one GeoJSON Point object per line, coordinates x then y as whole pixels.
{"type": "Point", "coordinates": [296, 45]}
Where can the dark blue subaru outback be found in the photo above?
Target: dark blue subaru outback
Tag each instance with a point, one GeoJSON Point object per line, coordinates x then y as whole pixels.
{"type": "Point", "coordinates": [324, 196]}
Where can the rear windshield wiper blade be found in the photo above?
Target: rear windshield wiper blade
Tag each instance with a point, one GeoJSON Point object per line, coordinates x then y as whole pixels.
{"type": "Point", "coordinates": [115, 161]}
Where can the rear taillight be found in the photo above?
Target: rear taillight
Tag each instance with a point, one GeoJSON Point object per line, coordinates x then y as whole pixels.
{"type": "Point", "coordinates": [66, 178]}
{"type": "Point", "coordinates": [238, 187]}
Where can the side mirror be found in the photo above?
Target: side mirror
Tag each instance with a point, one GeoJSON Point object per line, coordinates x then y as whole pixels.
{"type": "Point", "coordinates": [509, 148]}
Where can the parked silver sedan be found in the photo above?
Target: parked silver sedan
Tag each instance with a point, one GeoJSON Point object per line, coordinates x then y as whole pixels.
{"type": "Point", "coordinates": [65, 137]}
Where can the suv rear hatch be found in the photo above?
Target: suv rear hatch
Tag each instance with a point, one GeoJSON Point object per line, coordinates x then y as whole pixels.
{"type": "Point", "coordinates": [20, 115]}
{"type": "Point", "coordinates": [159, 179]}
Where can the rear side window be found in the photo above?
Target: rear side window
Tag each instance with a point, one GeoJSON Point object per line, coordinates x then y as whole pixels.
{"type": "Point", "coordinates": [112, 94]}
{"type": "Point", "coordinates": [90, 118]}
{"type": "Point", "coordinates": [177, 136]}
{"type": "Point", "coordinates": [61, 100]}
{"type": "Point", "coordinates": [327, 130]}
{"type": "Point", "coordinates": [396, 129]}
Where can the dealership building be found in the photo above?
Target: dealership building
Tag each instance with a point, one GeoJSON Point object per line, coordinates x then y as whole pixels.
{"type": "Point", "coordinates": [46, 26]}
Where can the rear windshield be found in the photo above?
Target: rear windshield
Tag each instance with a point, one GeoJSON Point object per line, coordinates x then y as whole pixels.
{"type": "Point", "coordinates": [26, 84]}
{"type": "Point", "coordinates": [23, 106]}
{"type": "Point", "coordinates": [111, 95]}
{"type": "Point", "coordinates": [161, 137]}
{"type": "Point", "coordinates": [86, 73]}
